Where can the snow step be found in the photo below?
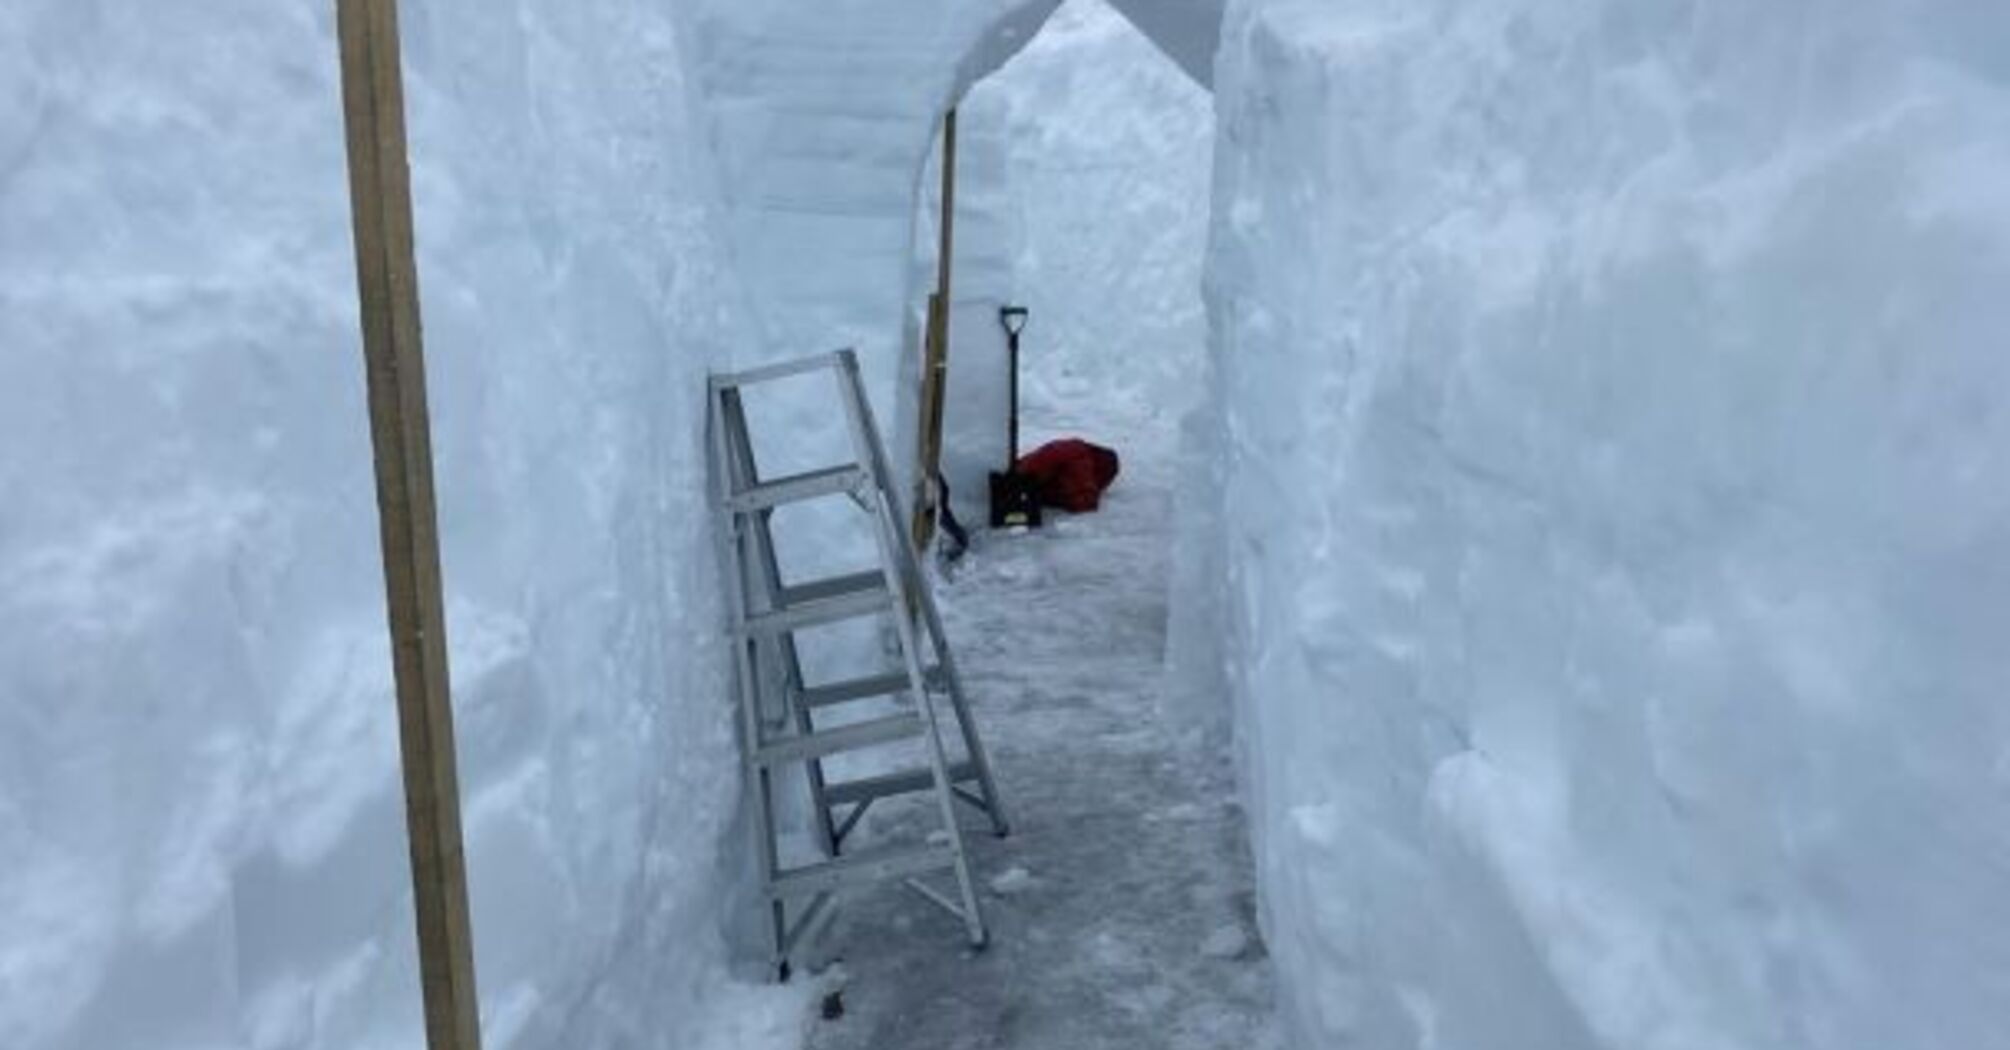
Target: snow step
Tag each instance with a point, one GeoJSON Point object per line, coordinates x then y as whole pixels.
{"type": "Point", "coordinates": [856, 736]}
{"type": "Point", "coordinates": [766, 614]}
{"type": "Point", "coordinates": [865, 866]}
{"type": "Point", "coordinates": [869, 686]}
{"type": "Point", "coordinates": [797, 488]}
{"type": "Point", "coordinates": [825, 601]}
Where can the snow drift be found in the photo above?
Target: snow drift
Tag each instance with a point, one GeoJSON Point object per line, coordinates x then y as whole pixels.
{"type": "Point", "coordinates": [1619, 517]}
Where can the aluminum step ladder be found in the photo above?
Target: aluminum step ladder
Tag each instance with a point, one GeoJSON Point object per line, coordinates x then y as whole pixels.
{"type": "Point", "coordinates": [784, 720]}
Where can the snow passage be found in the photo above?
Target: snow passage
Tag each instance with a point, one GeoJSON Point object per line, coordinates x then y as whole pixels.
{"type": "Point", "coordinates": [1122, 906]}
{"type": "Point", "coordinates": [1612, 558]}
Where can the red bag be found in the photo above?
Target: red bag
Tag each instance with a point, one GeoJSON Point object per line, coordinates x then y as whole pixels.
{"type": "Point", "coordinates": [1071, 473]}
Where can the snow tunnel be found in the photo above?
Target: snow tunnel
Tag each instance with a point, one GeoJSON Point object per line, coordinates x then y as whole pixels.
{"type": "Point", "coordinates": [1602, 565]}
{"type": "Point", "coordinates": [1081, 196]}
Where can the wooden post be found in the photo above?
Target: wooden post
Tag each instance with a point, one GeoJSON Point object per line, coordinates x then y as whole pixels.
{"type": "Point", "coordinates": [935, 366]}
{"type": "Point", "coordinates": [387, 282]}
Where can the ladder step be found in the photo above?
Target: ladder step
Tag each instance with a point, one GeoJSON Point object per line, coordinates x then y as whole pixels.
{"type": "Point", "coordinates": [765, 373]}
{"type": "Point", "coordinates": [865, 866]}
{"type": "Point", "coordinates": [903, 726]}
{"type": "Point", "coordinates": [799, 487]}
{"type": "Point", "coordinates": [861, 688]}
{"type": "Point", "coordinates": [825, 601]}
{"type": "Point", "coordinates": [864, 580]}
{"type": "Point", "coordinates": [886, 784]}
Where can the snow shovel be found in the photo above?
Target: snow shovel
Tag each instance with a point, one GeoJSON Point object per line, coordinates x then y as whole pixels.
{"type": "Point", "coordinates": [1015, 498]}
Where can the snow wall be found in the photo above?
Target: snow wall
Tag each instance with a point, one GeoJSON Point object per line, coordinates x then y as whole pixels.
{"type": "Point", "coordinates": [1618, 488]}
{"type": "Point", "coordinates": [200, 815]}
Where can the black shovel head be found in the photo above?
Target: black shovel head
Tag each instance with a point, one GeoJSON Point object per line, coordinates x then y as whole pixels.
{"type": "Point", "coordinates": [1015, 501]}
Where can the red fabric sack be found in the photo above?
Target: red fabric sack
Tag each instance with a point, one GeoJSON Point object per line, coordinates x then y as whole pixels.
{"type": "Point", "coordinates": [1071, 473]}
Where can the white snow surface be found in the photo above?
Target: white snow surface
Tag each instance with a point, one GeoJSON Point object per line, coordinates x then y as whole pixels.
{"type": "Point", "coordinates": [1618, 500]}
{"type": "Point", "coordinates": [199, 806]}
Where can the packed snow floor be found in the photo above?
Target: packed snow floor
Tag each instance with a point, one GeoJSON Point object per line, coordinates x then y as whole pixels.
{"type": "Point", "coordinates": [1122, 905]}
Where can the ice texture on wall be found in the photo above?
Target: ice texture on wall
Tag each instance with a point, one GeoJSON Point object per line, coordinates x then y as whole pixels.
{"type": "Point", "coordinates": [199, 806]}
{"type": "Point", "coordinates": [1618, 503]}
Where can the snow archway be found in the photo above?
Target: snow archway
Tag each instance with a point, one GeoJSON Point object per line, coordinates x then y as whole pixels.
{"type": "Point", "coordinates": [822, 118]}
{"type": "Point", "coordinates": [1082, 195]}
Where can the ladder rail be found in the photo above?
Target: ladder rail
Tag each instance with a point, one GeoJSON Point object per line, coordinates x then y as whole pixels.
{"type": "Point", "coordinates": [727, 536]}
{"type": "Point", "coordinates": [865, 432]}
{"type": "Point", "coordinates": [759, 520]}
{"type": "Point", "coordinates": [778, 370]}
{"type": "Point", "coordinates": [896, 558]}
{"type": "Point", "coordinates": [966, 725]}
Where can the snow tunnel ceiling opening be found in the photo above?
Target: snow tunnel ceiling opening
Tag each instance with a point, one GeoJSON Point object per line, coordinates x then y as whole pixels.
{"type": "Point", "coordinates": [1082, 190]}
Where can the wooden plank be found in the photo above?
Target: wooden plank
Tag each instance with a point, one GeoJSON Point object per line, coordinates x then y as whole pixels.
{"type": "Point", "coordinates": [935, 366]}
{"type": "Point", "coordinates": [394, 363]}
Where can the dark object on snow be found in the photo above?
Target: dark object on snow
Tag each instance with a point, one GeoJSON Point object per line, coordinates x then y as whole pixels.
{"type": "Point", "coordinates": [1071, 473]}
{"type": "Point", "coordinates": [1015, 499]}
{"type": "Point", "coordinates": [959, 537]}
{"type": "Point", "coordinates": [833, 1006]}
